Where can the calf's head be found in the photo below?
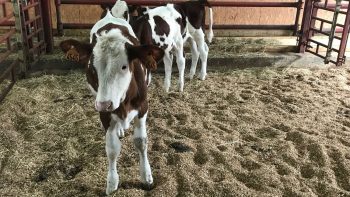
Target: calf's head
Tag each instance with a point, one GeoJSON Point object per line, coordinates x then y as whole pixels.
{"type": "Point", "coordinates": [114, 59]}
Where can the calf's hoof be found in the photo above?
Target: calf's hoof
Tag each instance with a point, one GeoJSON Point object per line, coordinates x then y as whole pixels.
{"type": "Point", "coordinates": [147, 179]}
{"type": "Point", "coordinates": [191, 75]}
{"type": "Point", "coordinates": [202, 76]}
{"type": "Point", "coordinates": [112, 184]}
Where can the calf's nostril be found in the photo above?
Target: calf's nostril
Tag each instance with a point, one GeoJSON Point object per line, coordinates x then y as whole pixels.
{"type": "Point", "coordinates": [109, 105]}
{"type": "Point", "coordinates": [104, 106]}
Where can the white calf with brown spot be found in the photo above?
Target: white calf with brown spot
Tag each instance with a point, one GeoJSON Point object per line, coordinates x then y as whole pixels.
{"type": "Point", "coordinates": [116, 73]}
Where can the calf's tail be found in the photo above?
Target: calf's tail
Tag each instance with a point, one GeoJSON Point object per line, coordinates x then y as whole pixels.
{"type": "Point", "coordinates": [210, 34]}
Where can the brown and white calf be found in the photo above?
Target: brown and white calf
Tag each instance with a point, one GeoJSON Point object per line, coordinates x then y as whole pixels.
{"type": "Point", "coordinates": [116, 70]}
{"type": "Point", "coordinates": [161, 26]}
{"type": "Point", "coordinates": [192, 24]}
{"type": "Point", "coordinates": [193, 19]}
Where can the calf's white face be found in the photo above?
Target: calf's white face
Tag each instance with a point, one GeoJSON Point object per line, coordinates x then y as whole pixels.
{"type": "Point", "coordinates": [113, 70]}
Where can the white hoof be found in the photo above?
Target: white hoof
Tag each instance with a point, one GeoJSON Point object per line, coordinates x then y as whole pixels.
{"type": "Point", "coordinates": [202, 76]}
{"type": "Point", "coordinates": [167, 85]}
{"type": "Point", "coordinates": [147, 179]}
{"type": "Point", "coordinates": [181, 88]}
{"type": "Point", "coordinates": [166, 89]}
{"type": "Point", "coordinates": [112, 184]}
{"type": "Point", "coordinates": [192, 74]}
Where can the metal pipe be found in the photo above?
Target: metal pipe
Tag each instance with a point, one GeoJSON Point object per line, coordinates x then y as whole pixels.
{"type": "Point", "coordinates": [47, 24]}
{"type": "Point", "coordinates": [6, 18]}
{"type": "Point", "coordinates": [330, 5]}
{"type": "Point", "coordinates": [7, 35]}
{"type": "Point", "coordinates": [332, 33]}
{"type": "Point", "coordinates": [58, 16]}
{"type": "Point", "coordinates": [323, 45]}
{"type": "Point", "coordinates": [329, 8]}
{"type": "Point", "coordinates": [345, 36]}
{"type": "Point", "coordinates": [26, 43]}
{"type": "Point", "coordinates": [322, 20]}
{"type": "Point", "coordinates": [219, 3]}
{"type": "Point", "coordinates": [267, 27]}
{"type": "Point", "coordinates": [27, 7]}
{"type": "Point", "coordinates": [313, 21]}
{"type": "Point", "coordinates": [318, 55]}
{"type": "Point", "coordinates": [306, 23]}
{"type": "Point", "coordinates": [3, 1]}
{"type": "Point", "coordinates": [7, 23]}
{"type": "Point", "coordinates": [163, 2]}
{"type": "Point", "coordinates": [297, 16]}
{"type": "Point", "coordinates": [5, 74]}
{"type": "Point", "coordinates": [326, 33]}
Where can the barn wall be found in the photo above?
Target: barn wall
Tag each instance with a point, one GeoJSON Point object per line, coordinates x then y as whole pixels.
{"type": "Point", "coordinates": [89, 14]}
{"type": "Point", "coordinates": [254, 15]}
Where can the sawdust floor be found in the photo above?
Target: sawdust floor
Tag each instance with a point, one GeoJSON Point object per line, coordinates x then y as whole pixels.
{"type": "Point", "coordinates": [247, 132]}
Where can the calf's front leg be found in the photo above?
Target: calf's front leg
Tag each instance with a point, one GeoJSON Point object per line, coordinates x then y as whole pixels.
{"type": "Point", "coordinates": [140, 142]}
{"type": "Point", "coordinates": [113, 146]}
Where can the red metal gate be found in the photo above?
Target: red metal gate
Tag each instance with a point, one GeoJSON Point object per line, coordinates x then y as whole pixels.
{"type": "Point", "coordinates": [31, 20]}
{"type": "Point", "coordinates": [7, 67]}
{"type": "Point", "coordinates": [309, 29]}
{"type": "Point", "coordinates": [32, 29]}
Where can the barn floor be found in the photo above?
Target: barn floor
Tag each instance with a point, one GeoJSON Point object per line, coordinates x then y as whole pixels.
{"type": "Point", "coordinates": [260, 131]}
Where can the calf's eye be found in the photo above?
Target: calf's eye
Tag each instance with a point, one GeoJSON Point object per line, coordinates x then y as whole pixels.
{"type": "Point", "coordinates": [124, 67]}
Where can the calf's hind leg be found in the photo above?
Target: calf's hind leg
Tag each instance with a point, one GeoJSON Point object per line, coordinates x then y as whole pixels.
{"type": "Point", "coordinates": [194, 56]}
{"type": "Point", "coordinates": [203, 52]}
{"type": "Point", "coordinates": [168, 61]}
{"type": "Point", "coordinates": [180, 61]}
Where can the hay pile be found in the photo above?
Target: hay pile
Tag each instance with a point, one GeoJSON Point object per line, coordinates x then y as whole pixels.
{"type": "Point", "coordinates": [47, 124]}
{"type": "Point", "coordinates": [228, 47]}
{"type": "Point", "coordinates": [251, 132]}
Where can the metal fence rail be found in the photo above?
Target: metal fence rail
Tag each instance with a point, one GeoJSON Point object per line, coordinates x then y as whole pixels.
{"type": "Point", "coordinates": [293, 27]}
{"type": "Point", "coordinates": [8, 68]}
{"type": "Point", "coordinates": [308, 29]}
{"type": "Point", "coordinates": [33, 41]}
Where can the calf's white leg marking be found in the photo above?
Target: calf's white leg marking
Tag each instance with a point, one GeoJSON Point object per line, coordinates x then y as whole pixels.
{"type": "Point", "coordinates": [180, 61]}
{"type": "Point", "coordinates": [167, 66]}
{"type": "Point", "coordinates": [140, 142]}
{"type": "Point", "coordinates": [194, 56]}
{"type": "Point", "coordinates": [113, 146]}
{"type": "Point", "coordinates": [203, 52]}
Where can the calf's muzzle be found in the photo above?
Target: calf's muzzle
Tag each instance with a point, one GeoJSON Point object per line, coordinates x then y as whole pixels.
{"type": "Point", "coordinates": [104, 106]}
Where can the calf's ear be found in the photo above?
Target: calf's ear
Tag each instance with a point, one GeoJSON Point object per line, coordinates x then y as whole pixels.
{"type": "Point", "coordinates": [149, 55]}
{"type": "Point", "coordinates": [76, 51]}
